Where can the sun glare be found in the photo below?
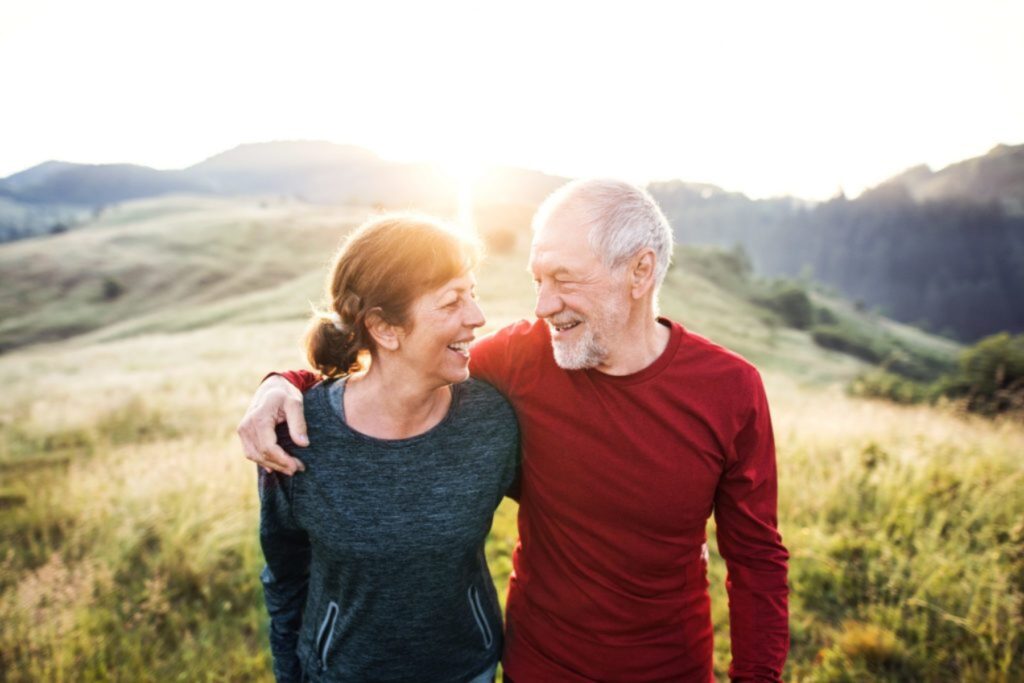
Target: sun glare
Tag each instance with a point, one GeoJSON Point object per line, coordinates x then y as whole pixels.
{"type": "Point", "coordinates": [465, 170]}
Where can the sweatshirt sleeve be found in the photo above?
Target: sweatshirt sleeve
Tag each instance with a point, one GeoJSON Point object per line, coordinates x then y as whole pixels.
{"type": "Point", "coordinates": [303, 379]}
{"type": "Point", "coordinates": [749, 541]}
{"type": "Point", "coordinates": [285, 577]}
{"type": "Point", "coordinates": [489, 361]}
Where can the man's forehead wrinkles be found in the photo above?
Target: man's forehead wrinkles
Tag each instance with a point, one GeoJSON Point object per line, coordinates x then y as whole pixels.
{"type": "Point", "coordinates": [549, 265]}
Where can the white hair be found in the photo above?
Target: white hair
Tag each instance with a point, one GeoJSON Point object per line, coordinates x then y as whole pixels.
{"type": "Point", "coordinates": [622, 220]}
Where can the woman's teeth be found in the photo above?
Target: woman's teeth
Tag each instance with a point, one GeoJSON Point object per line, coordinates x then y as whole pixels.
{"type": "Point", "coordinates": [460, 347]}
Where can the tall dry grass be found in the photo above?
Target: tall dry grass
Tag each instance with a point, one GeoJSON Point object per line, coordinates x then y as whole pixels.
{"type": "Point", "coordinates": [906, 528]}
{"type": "Point", "coordinates": [134, 554]}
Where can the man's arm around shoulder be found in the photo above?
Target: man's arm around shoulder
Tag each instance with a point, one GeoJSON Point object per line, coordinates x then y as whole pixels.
{"type": "Point", "coordinates": [278, 399]}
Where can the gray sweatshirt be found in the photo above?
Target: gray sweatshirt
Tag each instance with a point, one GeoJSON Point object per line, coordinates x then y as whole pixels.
{"type": "Point", "coordinates": [375, 554]}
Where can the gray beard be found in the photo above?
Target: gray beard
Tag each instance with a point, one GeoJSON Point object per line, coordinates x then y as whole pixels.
{"type": "Point", "coordinates": [585, 353]}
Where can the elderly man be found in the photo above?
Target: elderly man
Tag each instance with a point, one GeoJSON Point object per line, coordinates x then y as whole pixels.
{"type": "Point", "coordinates": [634, 430]}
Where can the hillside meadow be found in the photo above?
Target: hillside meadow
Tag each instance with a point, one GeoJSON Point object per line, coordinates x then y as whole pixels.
{"type": "Point", "coordinates": [128, 544]}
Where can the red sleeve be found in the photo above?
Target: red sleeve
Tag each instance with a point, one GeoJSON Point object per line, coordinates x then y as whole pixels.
{"type": "Point", "coordinates": [303, 379]}
{"type": "Point", "coordinates": [488, 359]}
{"type": "Point", "coordinates": [749, 540]}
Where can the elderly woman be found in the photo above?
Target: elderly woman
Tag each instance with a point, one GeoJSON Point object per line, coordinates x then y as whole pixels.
{"type": "Point", "coordinates": [375, 565]}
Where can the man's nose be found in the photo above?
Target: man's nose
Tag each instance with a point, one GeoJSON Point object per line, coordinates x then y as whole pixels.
{"type": "Point", "coordinates": [548, 302]}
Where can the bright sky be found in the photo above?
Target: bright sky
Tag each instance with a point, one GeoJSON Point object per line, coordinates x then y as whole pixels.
{"type": "Point", "coordinates": [766, 98]}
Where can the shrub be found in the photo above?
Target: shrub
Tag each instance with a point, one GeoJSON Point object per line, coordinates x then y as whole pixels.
{"type": "Point", "coordinates": [791, 302]}
{"type": "Point", "coordinates": [847, 340]}
{"type": "Point", "coordinates": [825, 316]}
{"type": "Point", "coordinates": [988, 380]}
{"type": "Point", "coordinates": [112, 288]}
{"type": "Point", "coordinates": [990, 375]}
{"type": "Point", "coordinates": [916, 364]}
{"type": "Point", "coordinates": [887, 385]}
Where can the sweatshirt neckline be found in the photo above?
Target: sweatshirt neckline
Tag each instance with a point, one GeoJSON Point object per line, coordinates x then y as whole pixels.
{"type": "Point", "coordinates": [676, 333]}
{"type": "Point", "coordinates": [340, 420]}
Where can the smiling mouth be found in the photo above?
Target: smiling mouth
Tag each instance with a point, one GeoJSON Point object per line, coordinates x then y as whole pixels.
{"type": "Point", "coordinates": [461, 348]}
{"type": "Point", "coordinates": [559, 328]}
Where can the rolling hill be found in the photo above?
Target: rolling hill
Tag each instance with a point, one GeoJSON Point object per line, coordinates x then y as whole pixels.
{"type": "Point", "coordinates": [942, 250]}
{"type": "Point", "coordinates": [178, 263]}
{"type": "Point", "coordinates": [34, 201]}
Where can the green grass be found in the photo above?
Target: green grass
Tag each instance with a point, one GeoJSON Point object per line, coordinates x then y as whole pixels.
{"type": "Point", "coordinates": [128, 546]}
{"type": "Point", "coordinates": [168, 258]}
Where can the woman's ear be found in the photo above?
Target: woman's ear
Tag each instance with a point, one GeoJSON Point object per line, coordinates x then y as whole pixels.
{"type": "Point", "coordinates": [385, 335]}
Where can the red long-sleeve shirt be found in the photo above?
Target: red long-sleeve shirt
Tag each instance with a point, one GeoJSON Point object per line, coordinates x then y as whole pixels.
{"type": "Point", "coordinates": [620, 474]}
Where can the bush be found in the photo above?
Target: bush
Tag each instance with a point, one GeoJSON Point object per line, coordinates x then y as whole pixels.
{"type": "Point", "coordinates": [825, 316]}
{"type": "Point", "coordinates": [791, 302]}
{"type": "Point", "coordinates": [112, 288]}
{"type": "Point", "coordinates": [988, 380]}
{"type": "Point", "coordinates": [847, 340]}
{"type": "Point", "coordinates": [990, 375]}
{"type": "Point", "coordinates": [917, 365]}
{"type": "Point", "coordinates": [882, 384]}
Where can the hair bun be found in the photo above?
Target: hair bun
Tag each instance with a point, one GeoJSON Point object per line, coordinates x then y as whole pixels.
{"type": "Point", "coordinates": [335, 320]}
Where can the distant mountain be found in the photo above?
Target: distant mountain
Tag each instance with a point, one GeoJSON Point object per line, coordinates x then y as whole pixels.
{"type": "Point", "coordinates": [323, 172]}
{"type": "Point", "coordinates": [96, 185]}
{"type": "Point", "coordinates": [941, 249]}
{"type": "Point", "coordinates": [291, 154]}
{"type": "Point", "coordinates": [950, 264]}
{"type": "Point", "coordinates": [59, 194]}
{"type": "Point", "coordinates": [35, 176]}
{"type": "Point", "coordinates": [997, 176]}
{"type": "Point", "coordinates": [56, 195]}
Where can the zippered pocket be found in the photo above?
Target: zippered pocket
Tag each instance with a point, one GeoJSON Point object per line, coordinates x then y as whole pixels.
{"type": "Point", "coordinates": [480, 616]}
{"type": "Point", "coordinates": [326, 634]}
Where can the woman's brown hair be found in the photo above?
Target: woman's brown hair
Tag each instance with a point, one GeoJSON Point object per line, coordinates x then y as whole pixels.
{"type": "Point", "coordinates": [383, 266]}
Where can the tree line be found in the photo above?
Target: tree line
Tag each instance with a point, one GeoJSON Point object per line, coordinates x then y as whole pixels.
{"type": "Point", "coordinates": [949, 266]}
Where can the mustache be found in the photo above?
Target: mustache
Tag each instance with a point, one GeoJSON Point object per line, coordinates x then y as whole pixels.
{"type": "Point", "coordinates": [564, 319]}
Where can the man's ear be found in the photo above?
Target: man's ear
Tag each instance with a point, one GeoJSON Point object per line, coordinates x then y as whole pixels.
{"type": "Point", "coordinates": [385, 335]}
{"type": "Point", "coordinates": [641, 273]}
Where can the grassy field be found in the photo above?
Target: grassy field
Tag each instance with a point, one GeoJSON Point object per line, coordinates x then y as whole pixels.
{"type": "Point", "coordinates": [128, 547]}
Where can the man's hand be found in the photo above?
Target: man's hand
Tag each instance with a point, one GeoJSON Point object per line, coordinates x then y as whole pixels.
{"type": "Point", "coordinates": [276, 401]}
